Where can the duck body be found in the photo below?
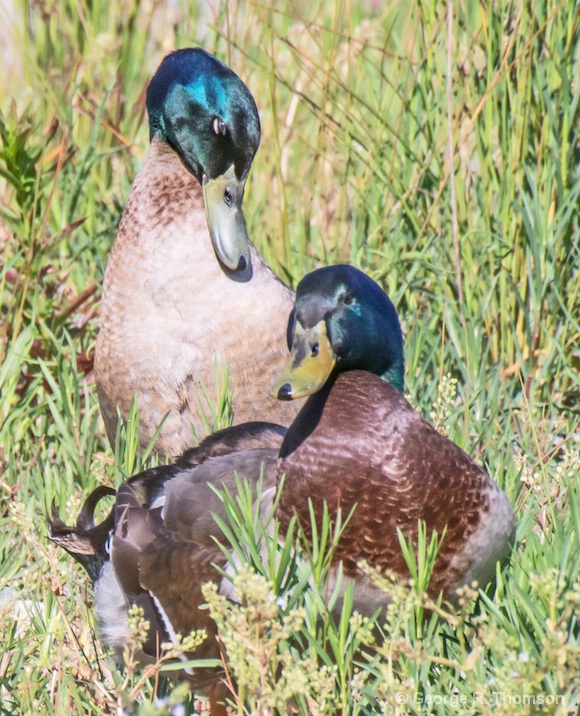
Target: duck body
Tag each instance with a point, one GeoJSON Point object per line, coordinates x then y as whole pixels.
{"type": "Point", "coordinates": [186, 298]}
{"type": "Point", "coordinates": [158, 545]}
{"type": "Point", "coordinates": [172, 318]}
{"type": "Point", "coordinates": [359, 446]}
{"type": "Point", "coordinates": [356, 445]}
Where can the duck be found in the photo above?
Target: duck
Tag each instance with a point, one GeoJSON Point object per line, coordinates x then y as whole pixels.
{"type": "Point", "coordinates": [187, 301]}
{"type": "Point", "coordinates": [160, 543]}
{"type": "Point", "coordinates": [356, 445]}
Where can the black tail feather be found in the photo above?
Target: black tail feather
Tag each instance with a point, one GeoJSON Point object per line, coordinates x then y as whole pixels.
{"type": "Point", "coordinates": [85, 541]}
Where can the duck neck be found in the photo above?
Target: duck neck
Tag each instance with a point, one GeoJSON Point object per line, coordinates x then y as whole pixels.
{"type": "Point", "coordinates": [395, 376]}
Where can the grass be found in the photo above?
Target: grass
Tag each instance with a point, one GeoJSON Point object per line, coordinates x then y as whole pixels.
{"type": "Point", "coordinates": [441, 150]}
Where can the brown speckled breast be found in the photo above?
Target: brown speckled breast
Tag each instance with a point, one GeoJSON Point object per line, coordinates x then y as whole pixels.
{"type": "Point", "coordinates": [359, 443]}
{"type": "Point", "coordinates": [173, 321]}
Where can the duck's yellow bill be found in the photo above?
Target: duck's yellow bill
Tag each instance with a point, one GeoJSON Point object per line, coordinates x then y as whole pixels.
{"type": "Point", "coordinates": [310, 364]}
{"type": "Point", "coordinates": [225, 219]}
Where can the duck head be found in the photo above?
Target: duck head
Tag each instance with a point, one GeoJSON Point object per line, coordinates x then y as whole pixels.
{"type": "Point", "coordinates": [207, 115]}
{"type": "Point", "coordinates": [342, 320]}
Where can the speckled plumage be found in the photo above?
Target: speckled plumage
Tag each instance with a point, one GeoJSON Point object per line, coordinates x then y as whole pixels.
{"type": "Point", "coordinates": [170, 313]}
{"type": "Point", "coordinates": [359, 442]}
{"type": "Point", "coordinates": [156, 549]}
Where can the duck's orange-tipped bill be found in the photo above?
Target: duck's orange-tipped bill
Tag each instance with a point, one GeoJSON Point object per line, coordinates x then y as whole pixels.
{"type": "Point", "coordinates": [311, 363]}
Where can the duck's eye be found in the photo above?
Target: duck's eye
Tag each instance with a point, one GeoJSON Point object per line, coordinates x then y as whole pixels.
{"type": "Point", "coordinates": [228, 198]}
{"type": "Point", "coordinates": [314, 349]}
{"type": "Point", "coordinates": [219, 126]}
{"type": "Point", "coordinates": [348, 299]}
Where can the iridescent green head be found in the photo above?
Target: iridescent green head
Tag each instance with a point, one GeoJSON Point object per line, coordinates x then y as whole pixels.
{"type": "Point", "coordinates": [207, 115]}
{"type": "Point", "coordinates": [342, 320]}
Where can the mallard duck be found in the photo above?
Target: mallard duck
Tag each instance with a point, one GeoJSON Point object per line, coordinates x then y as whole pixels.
{"type": "Point", "coordinates": [157, 546]}
{"type": "Point", "coordinates": [186, 296]}
{"type": "Point", "coordinates": [358, 445]}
